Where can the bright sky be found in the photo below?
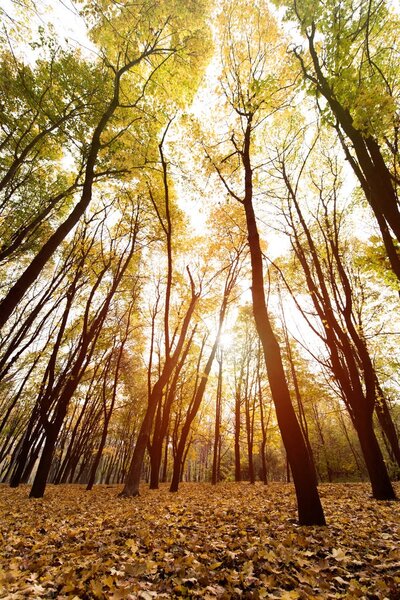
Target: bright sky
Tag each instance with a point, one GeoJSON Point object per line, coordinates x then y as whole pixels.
{"type": "Point", "coordinates": [63, 16]}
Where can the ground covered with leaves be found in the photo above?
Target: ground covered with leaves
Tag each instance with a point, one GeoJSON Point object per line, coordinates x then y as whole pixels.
{"type": "Point", "coordinates": [228, 541]}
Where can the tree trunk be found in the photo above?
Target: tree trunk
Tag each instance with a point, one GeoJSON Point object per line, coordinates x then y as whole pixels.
{"type": "Point", "coordinates": [217, 430]}
{"type": "Point", "coordinates": [263, 446]}
{"type": "Point", "coordinates": [238, 470]}
{"type": "Point", "coordinates": [165, 461]}
{"type": "Point", "coordinates": [381, 486]}
{"type": "Point", "coordinates": [249, 436]}
{"type": "Point", "coordinates": [39, 484]}
{"type": "Point", "coordinates": [155, 462]}
{"type": "Point", "coordinates": [131, 487]}
{"type": "Point", "coordinates": [387, 425]}
{"type": "Point", "coordinates": [96, 462]}
{"type": "Point", "coordinates": [309, 504]}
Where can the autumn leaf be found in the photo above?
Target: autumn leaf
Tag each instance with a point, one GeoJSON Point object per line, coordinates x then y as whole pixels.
{"type": "Point", "coordinates": [226, 541]}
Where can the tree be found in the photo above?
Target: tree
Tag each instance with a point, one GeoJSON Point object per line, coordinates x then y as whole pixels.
{"type": "Point", "coordinates": [216, 464]}
{"type": "Point", "coordinates": [353, 66]}
{"type": "Point", "coordinates": [142, 47]}
{"type": "Point", "coordinates": [229, 273]}
{"type": "Point", "coordinates": [253, 95]}
{"type": "Point", "coordinates": [328, 281]}
{"type": "Point", "coordinates": [173, 346]}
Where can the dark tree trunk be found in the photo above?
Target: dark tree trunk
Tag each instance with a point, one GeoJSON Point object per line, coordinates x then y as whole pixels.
{"type": "Point", "coordinates": [215, 476]}
{"type": "Point", "coordinates": [131, 487]}
{"type": "Point", "coordinates": [198, 397]}
{"type": "Point", "coordinates": [238, 469]}
{"type": "Point", "coordinates": [162, 422]}
{"type": "Point", "coordinates": [299, 400]}
{"type": "Point", "coordinates": [387, 426]}
{"type": "Point", "coordinates": [287, 470]}
{"type": "Point", "coordinates": [39, 483]}
{"type": "Point", "coordinates": [309, 504]}
{"type": "Point", "coordinates": [23, 451]}
{"type": "Point", "coordinates": [176, 472]}
{"type": "Point", "coordinates": [96, 462]}
{"type": "Point", "coordinates": [350, 361]}
{"type": "Point", "coordinates": [263, 445]}
{"type": "Point", "coordinates": [381, 486]}
{"type": "Point", "coordinates": [165, 461]}
{"type": "Point", "coordinates": [249, 435]}
{"type": "Point", "coordinates": [323, 444]}
{"type": "Point", "coordinates": [32, 460]}
{"type": "Point", "coordinates": [155, 463]}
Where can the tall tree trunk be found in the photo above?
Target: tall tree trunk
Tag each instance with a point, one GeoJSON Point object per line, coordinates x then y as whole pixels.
{"type": "Point", "coordinates": [387, 425]}
{"type": "Point", "coordinates": [215, 476]}
{"type": "Point", "coordinates": [39, 483]}
{"type": "Point", "coordinates": [199, 392]}
{"type": "Point", "coordinates": [264, 430]}
{"type": "Point", "coordinates": [249, 433]}
{"type": "Point", "coordinates": [163, 418]}
{"type": "Point", "coordinates": [381, 486]}
{"type": "Point", "coordinates": [165, 461]}
{"type": "Point", "coordinates": [299, 400]}
{"type": "Point", "coordinates": [308, 501]}
{"type": "Point", "coordinates": [350, 361]}
{"type": "Point", "coordinates": [238, 469]}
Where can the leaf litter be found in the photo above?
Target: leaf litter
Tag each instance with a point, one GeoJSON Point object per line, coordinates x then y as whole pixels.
{"type": "Point", "coordinates": [227, 541]}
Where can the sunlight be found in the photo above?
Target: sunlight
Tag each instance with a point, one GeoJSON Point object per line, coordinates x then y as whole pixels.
{"type": "Point", "coordinates": [225, 340]}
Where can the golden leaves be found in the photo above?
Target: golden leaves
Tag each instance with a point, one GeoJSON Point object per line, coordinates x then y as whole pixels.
{"type": "Point", "coordinates": [229, 541]}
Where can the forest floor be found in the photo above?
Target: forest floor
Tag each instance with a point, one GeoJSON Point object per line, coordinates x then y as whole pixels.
{"type": "Point", "coordinates": [228, 541]}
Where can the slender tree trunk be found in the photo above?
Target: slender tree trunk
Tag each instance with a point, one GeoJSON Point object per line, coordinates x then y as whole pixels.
{"type": "Point", "coordinates": [351, 363]}
{"type": "Point", "coordinates": [249, 436]}
{"type": "Point", "coordinates": [32, 459]}
{"type": "Point", "coordinates": [23, 451]}
{"type": "Point", "coordinates": [387, 426]}
{"type": "Point", "coordinates": [238, 469]}
{"type": "Point", "coordinates": [309, 504]}
{"type": "Point", "coordinates": [155, 462]}
{"type": "Point", "coordinates": [96, 462]}
{"type": "Point", "coordinates": [323, 444]}
{"type": "Point", "coordinates": [381, 486]}
{"type": "Point", "coordinates": [165, 461]}
{"type": "Point", "coordinates": [263, 445]}
{"type": "Point", "coordinates": [39, 483]}
{"type": "Point", "coordinates": [131, 487]}
{"type": "Point", "coordinates": [287, 470]}
{"type": "Point", "coordinates": [198, 397]}
{"type": "Point", "coordinates": [299, 400]}
{"type": "Point", "coordinates": [217, 429]}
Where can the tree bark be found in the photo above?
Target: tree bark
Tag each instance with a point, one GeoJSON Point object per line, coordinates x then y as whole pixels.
{"type": "Point", "coordinates": [309, 504]}
{"type": "Point", "coordinates": [215, 476]}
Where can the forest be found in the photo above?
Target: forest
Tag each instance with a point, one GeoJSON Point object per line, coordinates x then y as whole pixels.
{"type": "Point", "coordinates": [199, 293]}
